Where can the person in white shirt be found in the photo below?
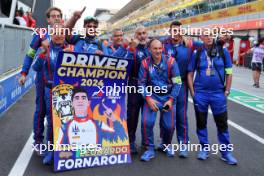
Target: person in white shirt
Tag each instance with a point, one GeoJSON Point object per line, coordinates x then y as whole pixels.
{"type": "Point", "coordinates": [257, 59]}
{"type": "Point", "coordinates": [20, 19]}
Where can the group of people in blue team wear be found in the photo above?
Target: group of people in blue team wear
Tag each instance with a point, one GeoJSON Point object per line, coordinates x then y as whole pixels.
{"type": "Point", "coordinates": [183, 66]}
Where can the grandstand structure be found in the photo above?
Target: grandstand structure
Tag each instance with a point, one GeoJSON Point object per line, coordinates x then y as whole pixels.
{"type": "Point", "coordinates": [246, 17]}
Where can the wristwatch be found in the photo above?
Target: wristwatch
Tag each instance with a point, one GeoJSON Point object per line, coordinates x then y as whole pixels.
{"type": "Point", "coordinates": [227, 92]}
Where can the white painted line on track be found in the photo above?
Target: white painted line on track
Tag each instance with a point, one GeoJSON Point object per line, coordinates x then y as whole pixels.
{"type": "Point", "coordinates": [23, 159]}
{"type": "Point", "coordinates": [240, 128]}
{"type": "Point", "coordinates": [243, 104]}
{"type": "Point", "coordinates": [245, 131]}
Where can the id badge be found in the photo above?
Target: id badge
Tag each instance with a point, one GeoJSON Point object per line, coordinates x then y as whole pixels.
{"type": "Point", "coordinates": [208, 72]}
{"type": "Point", "coordinates": [212, 72]}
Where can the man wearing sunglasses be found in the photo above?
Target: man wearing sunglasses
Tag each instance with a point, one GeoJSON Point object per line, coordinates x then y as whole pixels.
{"type": "Point", "coordinates": [210, 87]}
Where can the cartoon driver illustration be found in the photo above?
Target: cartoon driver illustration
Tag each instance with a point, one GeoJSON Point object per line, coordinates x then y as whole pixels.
{"type": "Point", "coordinates": [84, 129]}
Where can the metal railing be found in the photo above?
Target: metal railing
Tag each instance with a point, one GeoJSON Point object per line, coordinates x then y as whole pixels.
{"type": "Point", "coordinates": [14, 43]}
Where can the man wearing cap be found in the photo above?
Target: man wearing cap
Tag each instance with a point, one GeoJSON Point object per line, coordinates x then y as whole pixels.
{"type": "Point", "coordinates": [88, 43]}
{"type": "Point", "coordinates": [209, 79]}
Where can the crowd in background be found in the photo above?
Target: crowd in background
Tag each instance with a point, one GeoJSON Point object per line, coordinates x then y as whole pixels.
{"type": "Point", "coordinates": [24, 19]}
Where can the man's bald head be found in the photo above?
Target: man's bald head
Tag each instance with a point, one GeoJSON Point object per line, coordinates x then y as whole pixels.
{"type": "Point", "coordinates": [155, 47]}
{"type": "Point", "coordinates": [154, 42]}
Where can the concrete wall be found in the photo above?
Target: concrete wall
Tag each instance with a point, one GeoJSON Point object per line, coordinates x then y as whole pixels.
{"type": "Point", "coordinates": [14, 43]}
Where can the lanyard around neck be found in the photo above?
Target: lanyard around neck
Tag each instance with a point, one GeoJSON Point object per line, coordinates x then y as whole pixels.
{"type": "Point", "coordinates": [209, 61]}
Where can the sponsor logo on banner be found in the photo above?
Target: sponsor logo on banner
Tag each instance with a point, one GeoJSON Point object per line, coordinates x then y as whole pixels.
{"type": "Point", "coordinates": [3, 100]}
{"type": "Point", "coordinates": [99, 93]}
{"type": "Point", "coordinates": [18, 90]}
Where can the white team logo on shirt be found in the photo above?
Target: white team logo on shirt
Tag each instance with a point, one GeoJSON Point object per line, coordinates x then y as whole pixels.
{"type": "Point", "coordinates": [170, 52]}
{"type": "Point", "coordinates": [83, 132]}
{"type": "Point", "coordinates": [140, 54]}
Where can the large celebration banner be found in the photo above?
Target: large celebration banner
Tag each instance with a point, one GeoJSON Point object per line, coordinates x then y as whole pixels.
{"type": "Point", "coordinates": [89, 111]}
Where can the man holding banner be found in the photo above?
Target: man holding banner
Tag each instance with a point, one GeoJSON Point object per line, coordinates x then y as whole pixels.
{"type": "Point", "coordinates": [53, 15]}
{"type": "Point", "coordinates": [46, 61]}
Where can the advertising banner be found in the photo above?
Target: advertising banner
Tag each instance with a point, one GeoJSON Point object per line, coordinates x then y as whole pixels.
{"type": "Point", "coordinates": [11, 91]}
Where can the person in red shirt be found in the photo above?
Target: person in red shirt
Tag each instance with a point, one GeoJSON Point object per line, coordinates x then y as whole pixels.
{"type": "Point", "coordinates": [31, 22]}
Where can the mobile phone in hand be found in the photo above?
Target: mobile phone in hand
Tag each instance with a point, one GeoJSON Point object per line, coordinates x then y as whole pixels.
{"type": "Point", "coordinates": [167, 107]}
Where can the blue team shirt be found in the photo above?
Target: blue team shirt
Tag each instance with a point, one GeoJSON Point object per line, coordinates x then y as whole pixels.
{"type": "Point", "coordinates": [212, 83]}
{"type": "Point", "coordinates": [119, 51]}
{"type": "Point", "coordinates": [87, 44]}
{"type": "Point", "coordinates": [181, 53]}
{"type": "Point", "coordinates": [48, 64]}
{"type": "Point", "coordinates": [33, 48]}
{"type": "Point", "coordinates": [141, 53]}
{"type": "Point", "coordinates": [158, 76]}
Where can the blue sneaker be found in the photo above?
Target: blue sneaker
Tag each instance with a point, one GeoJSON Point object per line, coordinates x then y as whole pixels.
{"type": "Point", "coordinates": [161, 147]}
{"type": "Point", "coordinates": [183, 153]}
{"type": "Point", "coordinates": [229, 158]}
{"type": "Point", "coordinates": [203, 155]}
{"type": "Point", "coordinates": [48, 157]}
{"type": "Point", "coordinates": [170, 151]}
{"type": "Point", "coordinates": [133, 148]}
{"type": "Point", "coordinates": [147, 155]}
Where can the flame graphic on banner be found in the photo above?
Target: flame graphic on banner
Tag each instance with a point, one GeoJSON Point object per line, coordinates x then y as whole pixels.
{"type": "Point", "coordinates": [101, 117]}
